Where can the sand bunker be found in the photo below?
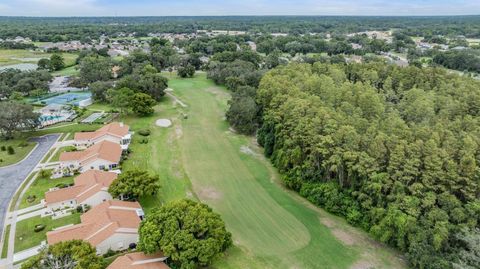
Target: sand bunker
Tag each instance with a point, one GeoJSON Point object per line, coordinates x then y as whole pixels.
{"type": "Point", "coordinates": [163, 123]}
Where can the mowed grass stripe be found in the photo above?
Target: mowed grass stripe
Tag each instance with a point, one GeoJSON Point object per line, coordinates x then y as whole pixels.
{"type": "Point", "coordinates": [220, 177]}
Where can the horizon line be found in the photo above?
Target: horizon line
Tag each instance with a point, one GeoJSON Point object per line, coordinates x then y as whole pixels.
{"type": "Point", "coordinates": [258, 15]}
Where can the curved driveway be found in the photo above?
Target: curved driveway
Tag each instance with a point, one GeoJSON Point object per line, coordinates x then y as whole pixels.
{"type": "Point", "coordinates": [11, 177]}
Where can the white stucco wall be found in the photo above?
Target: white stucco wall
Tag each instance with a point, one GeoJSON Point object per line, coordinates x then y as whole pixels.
{"type": "Point", "coordinates": [95, 164]}
{"type": "Point", "coordinates": [114, 241]}
{"type": "Point", "coordinates": [61, 205]}
{"type": "Point", "coordinates": [98, 198]}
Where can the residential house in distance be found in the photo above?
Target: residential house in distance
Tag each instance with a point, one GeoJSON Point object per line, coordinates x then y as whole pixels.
{"type": "Point", "coordinates": [104, 155]}
{"type": "Point", "coordinates": [111, 225]}
{"type": "Point", "coordinates": [116, 132]}
{"type": "Point", "coordinates": [139, 260]}
{"type": "Point", "coordinates": [90, 188]}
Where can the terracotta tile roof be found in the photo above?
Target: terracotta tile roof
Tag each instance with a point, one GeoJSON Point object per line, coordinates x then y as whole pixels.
{"type": "Point", "coordinates": [139, 260]}
{"type": "Point", "coordinates": [86, 185]}
{"type": "Point", "coordinates": [115, 129]}
{"type": "Point", "coordinates": [101, 222]}
{"type": "Point", "coordinates": [105, 150]}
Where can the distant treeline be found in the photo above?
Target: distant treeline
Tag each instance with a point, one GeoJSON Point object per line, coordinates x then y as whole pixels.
{"type": "Point", "coordinates": [58, 29]}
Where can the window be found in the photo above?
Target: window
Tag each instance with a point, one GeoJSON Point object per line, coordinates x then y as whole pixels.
{"type": "Point", "coordinates": [101, 167]}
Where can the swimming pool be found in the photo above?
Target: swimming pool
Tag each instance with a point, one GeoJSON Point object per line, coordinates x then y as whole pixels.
{"type": "Point", "coordinates": [45, 118]}
{"type": "Point", "coordinates": [73, 98]}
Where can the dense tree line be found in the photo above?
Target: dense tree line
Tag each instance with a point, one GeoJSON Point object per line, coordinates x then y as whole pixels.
{"type": "Point", "coordinates": [62, 29]}
{"type": "Point", "coordinates": [16, 45]}
{"type": "Point", "coordinates": [24, 83]}
{"type": "Point", "coordinates": [462, 60]}
{"type": "Point", "coordinates": [393, 150]}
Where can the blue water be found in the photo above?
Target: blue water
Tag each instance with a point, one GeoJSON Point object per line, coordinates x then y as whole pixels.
{"type": "Point", "coordinates": [44, 118]}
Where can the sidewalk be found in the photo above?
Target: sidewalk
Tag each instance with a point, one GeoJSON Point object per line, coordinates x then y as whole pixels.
{"type": "Point", "coordinates": [23, 255]}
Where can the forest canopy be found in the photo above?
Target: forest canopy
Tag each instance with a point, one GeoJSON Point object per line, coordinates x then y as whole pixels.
{"type": "Point", "coordinates": [393, 150]}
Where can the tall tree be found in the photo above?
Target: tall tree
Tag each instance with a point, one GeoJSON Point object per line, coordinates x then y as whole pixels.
{"type": "Point", "coordinates": [56, 62]}
{"type": "Point", "coordinates": [134, 184]}
{"type": "Point", "coordinates": [189, 233]}
{"type": "Point", "coordinates": [74, 254]}
{"type": "Point", "coordinates": [15, 116]}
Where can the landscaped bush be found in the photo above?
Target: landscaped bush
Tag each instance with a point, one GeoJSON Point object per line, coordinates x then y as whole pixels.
{"type": "Point", "coordinates": [110, 253]}
{"type": "Point", "coordinates": [61, 185]}
{"type": "Point", "coordinates": [143, 141]}
{"type": "Point", "coordinates": [79, 209]}
{"type": "Point", "coordinates": [144, 132]}
{"type": "Point", "coordinates": [39, 228]}
{"type": "Point", "coordinates": [10, 150]}
{"type": "Point", "coordinates": [3, 148]}
{"type": "Point", "coordinates": [31, 198]}
{"type": "Point", "coordinates": [45, 173]}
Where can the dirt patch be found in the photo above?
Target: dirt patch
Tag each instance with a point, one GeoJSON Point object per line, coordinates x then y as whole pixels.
{"type": "Point", "coordinates": [210, 193]}
{"type": "Point", "coordinates": [327, 222]}
{"type": "Point", "coordinates": [217, 91]}
{"type": "Point", "coordinates": [178, 131]}
{"type": "Point", "coordinates": [343, 236]}
{"type": "Point", "coordinates": [362, 264]}
{"type": "Point", "coordinates": [247, 150]}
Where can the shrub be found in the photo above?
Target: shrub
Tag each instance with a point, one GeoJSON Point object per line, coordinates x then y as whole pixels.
{"type": "Point", "coordinates": [143, 141]}
{"type": "Point", "coordinates": [79, 209]}
{"type": "Point", "coordinates": [144, 132]}
{"type": "Point", "coordinates": [39, 228]}
{"type": "Point", "coordinates": [45, 173]}
{"type": "Point", "coordinates": [31, 198]}
{"type": "Point", "coordinates": [61, 185]}
{"type": "Point", "coordinates": [10, 150]}
{"type": "Point", "coordinates": [3, 148]}
{"type": "Point", "coordinates": [109, 253]}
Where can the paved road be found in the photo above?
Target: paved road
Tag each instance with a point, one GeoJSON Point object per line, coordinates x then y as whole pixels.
{"type": "Point", "coordinates": [11, 177]}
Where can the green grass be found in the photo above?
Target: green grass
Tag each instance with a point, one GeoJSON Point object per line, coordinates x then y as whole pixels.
{"type": "Point", "coordinates": [69, 71]}
{"type": "Point", "coordinates": [56, 156]}
{"type": "Point", "coordinates": [39, 187]}
{"type": "Point", "coordinates": [26, 237]}
{"type": "Point", "coordinates": [21, 151]}
{"type": "Point", "coordinates": [9, 57]}
{"type": "Point", "coordinates": [17, 193]}
{"type": "Point", "coordinates": [200, 158]}
{"type": "Point", "coordinates": [5, 242]}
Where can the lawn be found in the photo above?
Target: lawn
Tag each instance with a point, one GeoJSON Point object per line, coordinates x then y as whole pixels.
{"type": "Point", "coordinates": [26, 237]}
{"type": "Point", "coordinates": [56, 156]}
{"type": "Point", "coordinates": [21, 148]}
{"type": "Point", "coordinates": [39, 187]}
{"type": "Point", "coordinates": [69, 71]}
{"type": "Point", "coordinates": [201, 158]}
{"type": "Point", "coordinates": [9, 57]}
{"type": "Point", "coordinates": [5, 242]}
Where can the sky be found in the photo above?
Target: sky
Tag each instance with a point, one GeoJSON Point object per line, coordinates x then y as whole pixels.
{"type": "Point", "coordinates": [237, 7]}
